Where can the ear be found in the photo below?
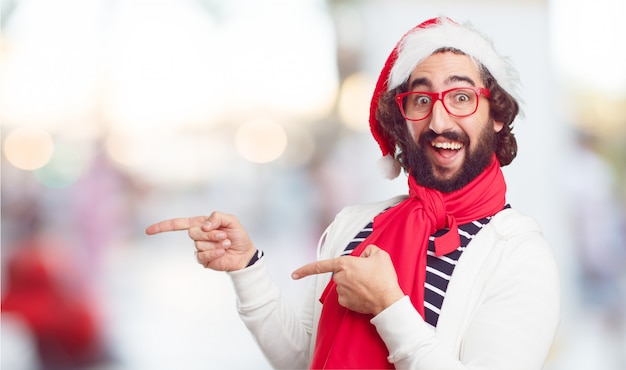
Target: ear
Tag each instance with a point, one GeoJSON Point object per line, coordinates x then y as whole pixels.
{"type": "Point", "coordinates": [497, 125]}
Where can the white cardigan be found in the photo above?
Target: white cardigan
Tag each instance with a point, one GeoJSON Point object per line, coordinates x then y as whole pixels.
{"type": "Point", "coordinates": [501, 309]}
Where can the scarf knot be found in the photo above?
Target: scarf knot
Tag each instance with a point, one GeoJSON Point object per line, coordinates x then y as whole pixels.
{"type": "Point", "coordinates": [432, 203]}
{"type": "Point", "coordinates": [434, 208]}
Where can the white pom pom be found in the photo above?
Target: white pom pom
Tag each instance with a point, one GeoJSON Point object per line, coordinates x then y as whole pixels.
{"type": "Point", "coordinates": [389, 167]}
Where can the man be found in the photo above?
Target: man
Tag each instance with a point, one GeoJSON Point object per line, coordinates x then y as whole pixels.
{"type": "Point", "coordinates": [448, 277]}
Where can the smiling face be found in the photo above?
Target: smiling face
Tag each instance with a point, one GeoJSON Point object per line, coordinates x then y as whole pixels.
{"type": "Point", "coordinates": [448, 152]}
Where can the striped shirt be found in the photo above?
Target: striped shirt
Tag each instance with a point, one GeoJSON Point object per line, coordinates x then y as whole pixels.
{"type": "Point", "coordinates": [438, 269]}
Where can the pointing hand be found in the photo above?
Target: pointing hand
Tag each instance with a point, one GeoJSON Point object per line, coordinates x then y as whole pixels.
{"type": "Point", "coordinates": [221, 242]}
{"type": "Point", "coordinates": [367, 284]}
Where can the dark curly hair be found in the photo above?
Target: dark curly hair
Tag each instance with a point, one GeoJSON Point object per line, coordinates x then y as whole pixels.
{"type": "Point", "coordinates": [503, 108]}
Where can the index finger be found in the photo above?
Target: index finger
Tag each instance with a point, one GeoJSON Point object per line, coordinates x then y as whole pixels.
{"type": "Point", "coordinates": [175, 224]}
{"type": "Point", "coordinates": [318, 267]}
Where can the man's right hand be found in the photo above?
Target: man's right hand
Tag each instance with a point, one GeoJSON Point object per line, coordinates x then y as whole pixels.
{"type": "Point", "coordinates": [221, 242]}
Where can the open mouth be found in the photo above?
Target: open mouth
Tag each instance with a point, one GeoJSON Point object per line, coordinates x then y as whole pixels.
{"type": "Point", "coordinates": [447, 150]}
{"type": "Point", "coordinates": [446, 145]}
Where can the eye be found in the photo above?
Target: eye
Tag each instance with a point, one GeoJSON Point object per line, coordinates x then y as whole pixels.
{"type": "Point", "coordinates": [462, 97]}
{"type": "Point", "coordinates": [419, 100]}
{"type": "Point", "coordinates": [423, 100]}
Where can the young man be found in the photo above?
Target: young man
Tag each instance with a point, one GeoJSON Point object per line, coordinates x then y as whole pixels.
{"type": "Point", "coordinates": [448, 277]}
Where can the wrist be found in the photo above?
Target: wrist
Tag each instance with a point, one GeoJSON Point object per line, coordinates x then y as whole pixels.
{"type": "Point", "coordinates": [389, 300]}
{"type": "Point", "coordinates": [255, 257]}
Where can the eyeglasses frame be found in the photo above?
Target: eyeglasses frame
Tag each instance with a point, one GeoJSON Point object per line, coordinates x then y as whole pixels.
{"type": "Point", "coordinates": [439, 96]}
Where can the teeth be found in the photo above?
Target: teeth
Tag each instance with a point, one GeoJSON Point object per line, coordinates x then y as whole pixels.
{"type": "Point", "coordinates": [447, 145]}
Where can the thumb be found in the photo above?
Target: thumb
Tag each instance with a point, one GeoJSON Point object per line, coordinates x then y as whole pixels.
{"type": "Point", "coordinates": [219, 220]}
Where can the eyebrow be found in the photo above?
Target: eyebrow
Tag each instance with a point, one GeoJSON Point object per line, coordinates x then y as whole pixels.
{"type": "Point", "coordinates": [427, 83]}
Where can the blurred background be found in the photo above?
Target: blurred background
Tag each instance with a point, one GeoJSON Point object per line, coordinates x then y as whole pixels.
{"type": "Point", "coordinates": [118, 114]}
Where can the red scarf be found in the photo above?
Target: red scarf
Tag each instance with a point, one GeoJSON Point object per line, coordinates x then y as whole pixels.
{"type": "Point", "coordinates": [347, 339]}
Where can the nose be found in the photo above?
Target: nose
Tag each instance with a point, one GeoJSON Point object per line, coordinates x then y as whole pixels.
{"type": "Point", "coordinates": [440, 120]}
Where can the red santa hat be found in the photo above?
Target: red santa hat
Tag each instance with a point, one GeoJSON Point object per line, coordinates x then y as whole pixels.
{"type": "Point", "coordinates": [418, 44]}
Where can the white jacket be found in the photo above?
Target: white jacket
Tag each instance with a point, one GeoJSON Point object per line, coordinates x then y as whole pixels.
{"type": "Point", "coordinates": [501, 308]}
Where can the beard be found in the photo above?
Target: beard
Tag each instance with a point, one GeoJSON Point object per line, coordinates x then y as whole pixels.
{"type": "Point", "coordinates": [475, 162]}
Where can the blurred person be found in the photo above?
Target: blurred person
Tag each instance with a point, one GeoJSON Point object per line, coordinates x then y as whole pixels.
{"type": "Point", "coordinates": [43, 292]}
{"type": "Point", "coordinates": [448, 276]}
{"type": "Point", "coordinates": [102, 203]}
{"type": "Point", "coordinates": [598, 224]}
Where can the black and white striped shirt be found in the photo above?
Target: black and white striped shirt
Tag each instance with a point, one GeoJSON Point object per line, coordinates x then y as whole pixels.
{"type": "Point", "coordinates": [438, 269]}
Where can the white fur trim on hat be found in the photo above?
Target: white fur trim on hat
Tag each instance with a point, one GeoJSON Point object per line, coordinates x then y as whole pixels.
{"type": "Point", "coordinates": [389, 166]}
{"type": "Point", "coordinates": [423, 42]}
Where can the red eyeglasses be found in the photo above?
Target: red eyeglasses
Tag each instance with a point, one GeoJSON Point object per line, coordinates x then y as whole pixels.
{"type": "Point", "coordinates": [458, 102]}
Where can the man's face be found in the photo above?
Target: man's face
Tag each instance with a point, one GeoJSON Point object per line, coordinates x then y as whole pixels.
{"type": "Point", "coordinates": [448, 151]}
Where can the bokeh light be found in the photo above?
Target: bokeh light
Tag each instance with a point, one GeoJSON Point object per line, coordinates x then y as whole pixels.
{"type": "Point", "coordinates": [28, 148]}
{"type": "Point", "coordinates": [354, 101]}
{"type": "Point", "coordinates": [261, 140]}
{"type": "Point", "coordinates": [128, 150]}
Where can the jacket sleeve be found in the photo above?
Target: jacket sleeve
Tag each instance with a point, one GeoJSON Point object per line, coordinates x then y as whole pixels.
{"type": "Point", "coordinates": [283, 335]}
{"type": "Point", "coordinates": [509, 323]}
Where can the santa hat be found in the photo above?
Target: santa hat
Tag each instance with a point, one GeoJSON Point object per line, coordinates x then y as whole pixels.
{"type": "Point", "coordinates": [418, 44]}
